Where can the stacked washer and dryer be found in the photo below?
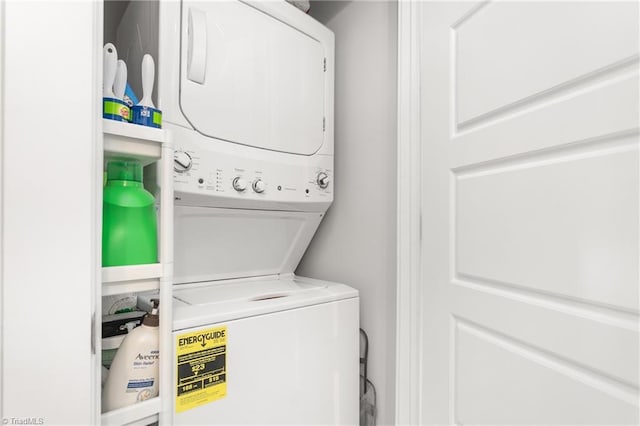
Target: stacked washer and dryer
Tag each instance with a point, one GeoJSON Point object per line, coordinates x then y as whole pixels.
{"type": "Point", "coordinates": [246, 89]}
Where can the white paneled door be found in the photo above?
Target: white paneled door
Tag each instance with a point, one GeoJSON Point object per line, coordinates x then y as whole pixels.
{"type": "Point", "coordinates": [530, 187]}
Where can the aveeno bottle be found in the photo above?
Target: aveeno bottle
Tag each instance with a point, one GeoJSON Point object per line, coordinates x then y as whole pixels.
{"type": "Point", "coordinates": [133, 376]}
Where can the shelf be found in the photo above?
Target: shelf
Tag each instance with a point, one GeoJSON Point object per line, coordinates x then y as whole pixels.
{"type": "Point", "coordinates": [142, 413]}
{"type": "Point", "coordinates": [149, 146]}
{"type": "Point", "coordinates": [130, 278]}
{"type": "Point", "coordinates": [131, 141]}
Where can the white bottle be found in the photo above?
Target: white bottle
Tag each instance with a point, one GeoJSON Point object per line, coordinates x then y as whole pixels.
{"type": "Point", "coordinates": [133, 376]}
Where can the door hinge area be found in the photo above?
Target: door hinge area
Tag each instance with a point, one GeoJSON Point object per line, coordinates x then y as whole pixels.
{"type": "Point", "coordinates": [324, 64]}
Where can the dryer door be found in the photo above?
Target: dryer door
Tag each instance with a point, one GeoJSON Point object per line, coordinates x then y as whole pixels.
{"type": "Point", "coordinates": [249, 78]}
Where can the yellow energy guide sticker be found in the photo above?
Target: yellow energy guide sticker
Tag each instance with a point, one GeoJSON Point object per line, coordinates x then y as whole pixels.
{"type": "Point", "coordinates": [202, 367]}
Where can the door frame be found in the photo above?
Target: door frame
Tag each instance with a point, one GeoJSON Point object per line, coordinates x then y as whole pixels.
{"type": "Point", "coordinates": [2, 78]}
{"type": "Point", "coordinates": [409, 216]}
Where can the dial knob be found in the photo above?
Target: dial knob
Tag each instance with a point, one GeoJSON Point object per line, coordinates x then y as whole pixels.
{"type": "Point", "coordinates": [239, 184]}
{"type": "Point", "coordinates": [181, 161]}
{"type": "Point", "coordinates": [259, 186]}
{"type": "Point", "coordinates": [323, 180]}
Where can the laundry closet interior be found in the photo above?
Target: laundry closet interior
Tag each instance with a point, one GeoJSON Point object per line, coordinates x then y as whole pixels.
{"type": "Point", "coordinates": [246, 92]}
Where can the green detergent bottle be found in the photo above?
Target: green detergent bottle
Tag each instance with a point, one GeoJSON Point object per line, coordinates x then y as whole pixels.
{"type": "Point", "coordinates": [129, 223]}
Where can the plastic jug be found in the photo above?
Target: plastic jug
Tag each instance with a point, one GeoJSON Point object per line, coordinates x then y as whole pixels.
{"type": "Point", "coordinates": [129, 222]}
{"type": "Point", "coordinates": [133, 376]}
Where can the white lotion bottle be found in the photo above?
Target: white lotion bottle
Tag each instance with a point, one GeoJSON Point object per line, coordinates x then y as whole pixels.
{"type": "Point", "coordinates": [133, 376]}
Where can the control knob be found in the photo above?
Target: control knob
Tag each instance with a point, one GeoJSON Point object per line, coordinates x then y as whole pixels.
{"type": "Point", "coordinates": [259, 186]}
{"type": "Point", "coordinates": [182, 161]}
{"type": "Point", "coordinates": [239, 184]}
{"type": "Point", "coordinates": [323, 180]}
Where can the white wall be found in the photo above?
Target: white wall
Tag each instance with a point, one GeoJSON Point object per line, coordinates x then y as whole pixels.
{"type": "Point", "coordinates": [356, 243]}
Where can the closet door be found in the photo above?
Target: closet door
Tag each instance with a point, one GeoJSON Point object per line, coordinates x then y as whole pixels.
{"type": "Point", "coordinates": [48, 185]}
{"type": "Point", "coordinates": [530, 212]}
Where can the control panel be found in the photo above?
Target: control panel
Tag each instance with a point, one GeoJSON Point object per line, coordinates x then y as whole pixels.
{"type": "Point", "coordinates": [227, 177]}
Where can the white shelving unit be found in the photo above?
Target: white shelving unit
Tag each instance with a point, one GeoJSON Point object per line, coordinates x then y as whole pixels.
{"type": "Point", "coordinates": [153, 148]}
{"type": "Point", "coordinates": [132, 141]}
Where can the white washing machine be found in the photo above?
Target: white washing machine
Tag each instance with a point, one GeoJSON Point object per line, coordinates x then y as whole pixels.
{"type": "Point", "coordinates": [246, 90]}
{"type": "Point", "coordinates": [288, 355]}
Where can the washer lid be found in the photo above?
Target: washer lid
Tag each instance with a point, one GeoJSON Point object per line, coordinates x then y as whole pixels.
{"type": "Point", "coordinates": [221, 244]}
{"type": "Point", "coordinates": [241, 65]}
{"type": "Point", "coordinates": [212, 302]}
